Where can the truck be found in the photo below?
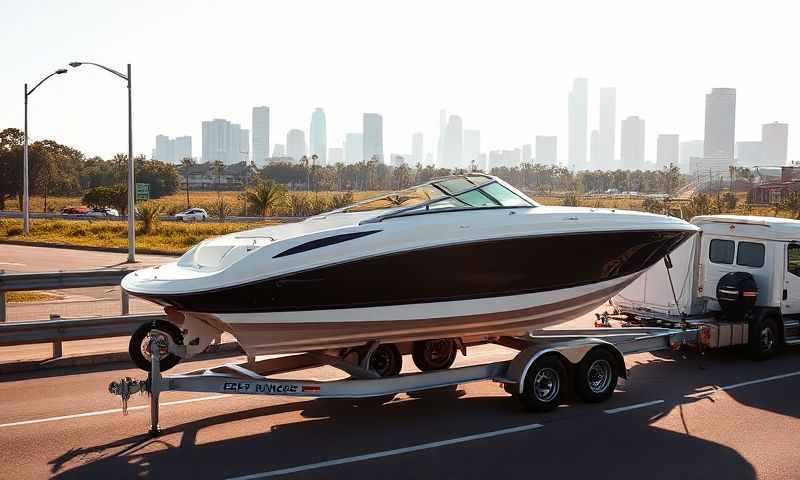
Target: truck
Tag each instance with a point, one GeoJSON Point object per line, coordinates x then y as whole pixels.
{"type": "Point", "coordinates": [737, 281]}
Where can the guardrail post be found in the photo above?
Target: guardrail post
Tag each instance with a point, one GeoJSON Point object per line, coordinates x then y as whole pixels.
{"type": "Point", "coordinates": [2, 306]}
{"type": "Point", "coordinates": [125, 302]}
{"type": "Point", "coordinates": [57, 350]}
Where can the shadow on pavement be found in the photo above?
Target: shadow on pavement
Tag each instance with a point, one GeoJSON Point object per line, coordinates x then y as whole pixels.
{"type": "Point", "coordinates": [595, 446]}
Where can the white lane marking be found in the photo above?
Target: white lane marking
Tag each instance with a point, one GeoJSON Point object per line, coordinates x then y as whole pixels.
{"type": "Point", "coordinates": [105, 412]}
{"type": "Point", "coordinates": [387, 453]}
{"type": "Point", "coordinates": [743, 384]}
{"type": "Point", "coordinates": [633, 407]}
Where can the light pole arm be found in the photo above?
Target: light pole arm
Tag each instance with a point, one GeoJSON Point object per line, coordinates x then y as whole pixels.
{"type": "Point", "coordinates": [120, 75]}
{"type": "Point", "coordinates": [28, 92]}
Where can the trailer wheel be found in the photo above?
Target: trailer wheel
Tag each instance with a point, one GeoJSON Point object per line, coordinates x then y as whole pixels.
{"type": "Point", "coordinates": [543, 384]}
{"type": "Point", "coordinates": [386, 360]}
{"type": "Point", "coordinates": [596, 378]}
{"type": "Point", "coordinates": [139, 345]}
{"type": "Point", "coordinates": [766, 340]}
{"type": "Point", "coordinates": [436, 354]}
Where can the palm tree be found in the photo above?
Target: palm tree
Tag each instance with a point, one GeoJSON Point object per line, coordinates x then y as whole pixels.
{"type": "Point", "coordinates": [150, 216]}
{"type": "Point", "coordinates": [187, 163]}
{"type": "Point", "coordinates": [264, 196]}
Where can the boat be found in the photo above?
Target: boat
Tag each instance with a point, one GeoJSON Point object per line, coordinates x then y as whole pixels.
{"type": "Point", "coordinates": [465, 256]}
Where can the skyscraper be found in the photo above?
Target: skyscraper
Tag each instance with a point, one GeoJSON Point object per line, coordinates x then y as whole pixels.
{"type": "Point", "coordinates": [578, 106]}
{"type": "Point", "coordinates": [527, 153]}
{"type": "Point", "coordinates": [279, 150]}
{"type": "Point", "coordinates": [165, 149]}
{"type": "Point", "coordinates": [260, 134]}
{"type": "Point", "coordinates": [182, 148]}
{"type": "Point", "coordinates": [353, 148]}
{"type": "Point", "coordinates": [472, 147]}
{"type": "Point", "coordinates": [417, 148]}
{"type": "Point", "coordinates": [632, 143]}
{"type": "Point", "coordinates": [222, 141]}
{"type": "Point", "coordinates": [244, 145]}
{"type": "Point", "coordinates": [373, 137]}
{"type": "Point", "coordinates": [318, 137]}
{"type": "Point", "coordinates": [689, 149]}
{"type": "Point", "coordinates": [546, 150]}
{"type": "Point", "coordinates": [720, 123]}
{"type": "Point", "coordinates": [667, 151]}
{"type": "Point", "coordinates": [454, 143]}
{"type": "Point", "coordinates": [606, 129]}
{"type": "Point", "coordinates": [774, 141]}
{"type": "Point", "coordinates": [295, 144]}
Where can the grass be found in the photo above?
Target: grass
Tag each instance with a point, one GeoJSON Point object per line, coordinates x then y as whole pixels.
{"type": "Point", "coordinates": [25, 297]}
{"type": "Point", "coordinates": [166, 237]}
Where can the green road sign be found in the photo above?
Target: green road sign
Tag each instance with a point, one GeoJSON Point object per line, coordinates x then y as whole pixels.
{"type": "Point", "coordinates": [142, 192]}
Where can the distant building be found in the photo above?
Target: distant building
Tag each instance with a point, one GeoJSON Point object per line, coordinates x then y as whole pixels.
{"type": "Point", "coordinates": [777, 191]}
{"type": "Point", "coordinates": [505, 158]}
{"type": "Point", "coordinates": [279, 150]}
{"type": "Point", "coordinates": [260, 135]}
{"type": "Point", "coordinates": [440, 162]}
{"type": "Point", "coordinates": [687, 150]}
{"type": "Point", "coordinates": [472, 146]}
{"type": "Point", "coordinates": [527, 153]}
{"type": "Point", "coordinates": [417, 148]}
{"type": "Point", "coordinates": [482, 163]}
{"type": "Point", "coordinates": [295, 144]}
{"type": "Point", "coordinates": [577, 128]}
{"type": "Point", "coordinates": [667, 150]}
{"type": "Point", "coordinates": [244, 145]}
{"type": "Point", "coordinates": [774, 140]}
{"type": "Point", "coordinates": [632, 143]}
{"type": "Point", "coordinates": [182, 148]}
{"type": "Point", "coordinates": [606, 129]}
{"type": "Point", "coordinates": [172, 150]}
{"type": "Point", "coordinates": [546, 150]}
{"type": "Point", "coordinates": [318, 137]}
{"type": "Point", "coordinates": [353, 148]}
{"type": "Point", "coordinates": [373, 137]}
{"type": "Point", "coordinates": [454, 143]}
{"type": "Point", "coordinates": [203, 176]}
{"type": "Point", "coordinates": [335, 155]}
{"type": "Point", "coordinates": [749, 154]}
{"type": "Point", "coordinates": [720, 124]}
{"type": "Point", "coordinates": [222, 140]}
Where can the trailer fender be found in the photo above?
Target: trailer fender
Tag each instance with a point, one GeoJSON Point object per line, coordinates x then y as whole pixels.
{"type": "Point", "coordinates": [572, 352]}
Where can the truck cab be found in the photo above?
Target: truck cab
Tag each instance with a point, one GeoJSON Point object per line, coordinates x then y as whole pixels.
{"type": "Point", "coordinates": [684, 289]}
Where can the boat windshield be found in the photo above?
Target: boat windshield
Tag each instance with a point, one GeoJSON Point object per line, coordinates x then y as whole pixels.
{"type": "Point", "coordinates": [457, 192]}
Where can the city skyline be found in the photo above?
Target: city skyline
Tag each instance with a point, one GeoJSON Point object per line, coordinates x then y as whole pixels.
{"type": "Point", "coordinates": [86, 109]}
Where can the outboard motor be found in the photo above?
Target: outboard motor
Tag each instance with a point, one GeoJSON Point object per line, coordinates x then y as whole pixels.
{"type": "Point", "coordinates": [736, 294]}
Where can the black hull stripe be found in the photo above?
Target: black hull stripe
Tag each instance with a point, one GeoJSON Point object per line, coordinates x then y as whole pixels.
{"type": "Point", "coordinates": [486, 269]}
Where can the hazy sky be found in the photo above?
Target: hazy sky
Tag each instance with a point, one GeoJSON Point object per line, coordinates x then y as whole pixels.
{"type": "Point", "coordinates": [505, 67]}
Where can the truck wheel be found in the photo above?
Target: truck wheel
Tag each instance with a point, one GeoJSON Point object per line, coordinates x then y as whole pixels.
{"type": "Point", "coordinates": [386, 360]}
{"type": "Point", "coordinates": [139, 345]}
{"type": "Point", "coordinates": [434, 354]}
{"type": "Point", "coordinates": [596, 379]}
{"type": "Point", "coordinates": [543, 384]}
{"type": "Point", "coordinates": [765, 341]}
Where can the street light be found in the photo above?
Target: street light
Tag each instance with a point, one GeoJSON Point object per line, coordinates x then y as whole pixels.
{"type": "Point", "coordinates": [131, 201]}
{"type": "Point", "coordinates": [25, 194]}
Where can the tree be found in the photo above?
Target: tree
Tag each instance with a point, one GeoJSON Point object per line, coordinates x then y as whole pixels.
{"type": "Point", "coordinates": [115, 196]}
{"type": "Point", "coordinates": [150, 215]}
{"type": "Point", "coordinates": [264, 196]}
{"type": "Point", "coordinates": [187, 164]}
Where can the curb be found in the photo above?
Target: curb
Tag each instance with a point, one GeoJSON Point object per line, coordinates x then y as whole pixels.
{"type": "Point", "coordinates": [145, 251]}
{"type": "Point", "coordinates": [24, 366]}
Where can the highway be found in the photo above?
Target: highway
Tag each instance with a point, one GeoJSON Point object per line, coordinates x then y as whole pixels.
{"type": "Point", "coordinates": [680, 415]}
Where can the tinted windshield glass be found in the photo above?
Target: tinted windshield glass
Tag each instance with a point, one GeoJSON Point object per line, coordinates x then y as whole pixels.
{"type": "Point", "coordinates": [506, 197]}
{"type": "Point", "coordinates": [403, 198]}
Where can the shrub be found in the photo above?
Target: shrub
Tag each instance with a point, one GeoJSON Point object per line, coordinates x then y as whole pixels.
{"type": "Point", "coordinates": [570, 200]}
{"type": "Point", "coordinates": [149, 213]}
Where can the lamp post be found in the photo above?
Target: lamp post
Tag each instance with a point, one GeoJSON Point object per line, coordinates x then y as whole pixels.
{"type": "Point", "coordinates": [131, 198]}
{"type": "Point", "coordinates": [25, 192]}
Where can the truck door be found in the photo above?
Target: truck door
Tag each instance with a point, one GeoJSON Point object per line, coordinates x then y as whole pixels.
{"type": "Point", "coordinates": [791, 282]}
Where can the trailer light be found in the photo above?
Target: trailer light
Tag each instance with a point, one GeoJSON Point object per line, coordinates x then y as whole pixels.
{"type": "Point", "coordinates": [310, 388]}
{"type": "Point", "coordinates": [749, 294]}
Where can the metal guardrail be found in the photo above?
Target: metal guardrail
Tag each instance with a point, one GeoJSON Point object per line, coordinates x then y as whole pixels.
{"type": "Point", "coordinates": [59, 330]}
{"type": "Point", "coordinates": [166, 218]}
{"type": "Point", "coordinates": [63, 330]}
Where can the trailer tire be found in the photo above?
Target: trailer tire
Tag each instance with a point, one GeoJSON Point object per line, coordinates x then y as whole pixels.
{"type": "Point", "coordinates": [436, 354]}
{"type": "Point", "coordinates": [596, 376]}
{"type": "Point", "coordinates": [544, 384]}
{"type": "Point", "coordinates": [765, 341]}
{"type": "Point", "coordinates": [137, 346]}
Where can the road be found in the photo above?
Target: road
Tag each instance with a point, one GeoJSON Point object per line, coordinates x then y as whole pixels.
{"type": "Point", "coordinates": [666, 422]}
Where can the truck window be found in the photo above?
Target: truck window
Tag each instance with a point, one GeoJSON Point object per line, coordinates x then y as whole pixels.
{"type": "Point", "coordinates": [793, 260]}
{"type": "Point", "coordinates": [750, 254]}
{"type": "Point", "coordinates": [721, 251]}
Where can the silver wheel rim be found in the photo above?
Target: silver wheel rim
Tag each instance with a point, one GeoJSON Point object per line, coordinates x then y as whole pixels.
{"type": "Point", "coordinates": [382, 361]}
{"type": "Point", "coordinates": [599, 376]}
{"type": "Point", "coordinates": [162, 344]}
{"type": "Point", "coordinates": [766, 339]}
{"type": "Point", "coordinates": [546, 385]}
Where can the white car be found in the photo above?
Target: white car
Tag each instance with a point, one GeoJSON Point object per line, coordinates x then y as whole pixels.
{"type": "Point", "coordinates": [103, 212]}
{"type": "Point", "coordinates": [192, 215]}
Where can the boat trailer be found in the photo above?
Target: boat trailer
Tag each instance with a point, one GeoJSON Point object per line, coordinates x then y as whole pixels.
{"type": "Point", "coordinates": [537, 374]}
